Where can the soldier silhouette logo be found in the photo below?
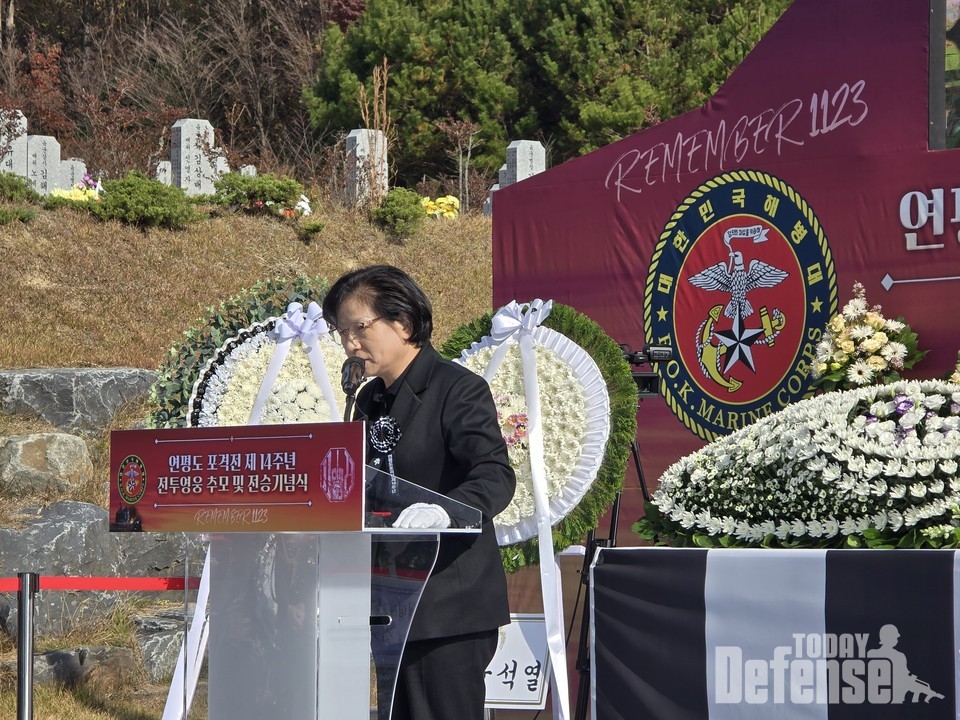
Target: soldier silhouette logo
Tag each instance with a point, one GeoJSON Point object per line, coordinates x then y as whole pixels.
{"type": "Point", "coordinates": [903, 680]}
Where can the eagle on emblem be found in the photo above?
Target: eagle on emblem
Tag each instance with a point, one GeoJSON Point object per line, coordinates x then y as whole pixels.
{"type": "Point", "coordinates": [736, 279]}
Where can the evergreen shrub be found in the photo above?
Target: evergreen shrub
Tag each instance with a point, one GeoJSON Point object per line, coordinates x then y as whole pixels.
{"type": "Point", "coordinates": [14, 188]}
{"type": "Point", "coordinates": [16, 214]}
{"type": "Point", "coordinates": [267, 193]}
{"type": "Point", "coordinates": [137, 200]}
{"type": "Point", "coordinates": [401, 214]}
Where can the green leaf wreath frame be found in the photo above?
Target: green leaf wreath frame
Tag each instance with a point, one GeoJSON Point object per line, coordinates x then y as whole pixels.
{"type": "Point", "coordinates": [183, 363]}
{"type": "Point", "coordinates": [622, 390]}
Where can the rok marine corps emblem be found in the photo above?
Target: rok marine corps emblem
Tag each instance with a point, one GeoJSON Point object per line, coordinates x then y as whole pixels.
{"type": "Point", "coordinates": [132, 479]}
{"type": "Point", "coordinates": [741, 285]}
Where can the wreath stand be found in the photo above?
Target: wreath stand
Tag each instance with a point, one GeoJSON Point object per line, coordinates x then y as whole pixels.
{"type": "Point", "coordinates": [647, 387]}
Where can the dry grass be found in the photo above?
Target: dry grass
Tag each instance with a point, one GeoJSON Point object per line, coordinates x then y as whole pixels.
{"type": "Point", "coordinates": [103, 693]}
{"type": "Point", "coordinates": [17, 424]}
{"type": "Point", "coordinates": [78, 293]}
{"type": "Point", "coordinates": [93, 702]}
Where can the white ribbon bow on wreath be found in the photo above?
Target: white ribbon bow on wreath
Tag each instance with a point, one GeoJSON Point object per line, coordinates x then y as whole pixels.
{"type": "Point", "coordinates": [515, 323]}
{"type": "Point", "coordinates": [307, 327]}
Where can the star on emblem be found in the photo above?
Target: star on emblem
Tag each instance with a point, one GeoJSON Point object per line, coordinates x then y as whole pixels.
{"type": "Point", "coordinates": [738, 340]}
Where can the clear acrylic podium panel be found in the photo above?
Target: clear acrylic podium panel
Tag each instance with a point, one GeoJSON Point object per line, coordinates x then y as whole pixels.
{"type": "Point", "coordinates": [312, 625]}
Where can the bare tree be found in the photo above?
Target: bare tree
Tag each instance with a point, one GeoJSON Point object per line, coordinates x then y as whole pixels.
{"type": "Point", "coordinates": [241, 64]}
{"type": "Point", "coordinates": [462, 134]}
{"type": "Point", "coordinates": [376, 116]}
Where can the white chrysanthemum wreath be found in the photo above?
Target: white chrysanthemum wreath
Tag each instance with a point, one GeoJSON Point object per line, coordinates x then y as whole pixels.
{"type": "Point", "coordinates": [226, 390]}
{"type": "Point", "coordinates": [575, 417]}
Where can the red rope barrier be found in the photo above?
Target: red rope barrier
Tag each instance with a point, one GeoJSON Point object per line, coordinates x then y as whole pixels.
{"type": "Point", "coordinates": [53, 582]}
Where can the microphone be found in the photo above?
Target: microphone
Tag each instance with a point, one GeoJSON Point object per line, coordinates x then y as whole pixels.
{"type": "Point", "coordinates": [352, 375]}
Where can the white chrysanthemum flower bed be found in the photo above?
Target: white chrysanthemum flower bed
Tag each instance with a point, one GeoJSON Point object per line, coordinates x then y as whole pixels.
{"type": "Point", "coordinates": [882, 458]}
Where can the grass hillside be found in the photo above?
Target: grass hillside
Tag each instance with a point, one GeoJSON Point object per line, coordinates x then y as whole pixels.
{"type": "Point", "coordinates": [80, 293]}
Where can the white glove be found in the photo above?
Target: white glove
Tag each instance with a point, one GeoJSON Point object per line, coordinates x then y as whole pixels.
{"type": "Point", "coordinates": [423, 515]}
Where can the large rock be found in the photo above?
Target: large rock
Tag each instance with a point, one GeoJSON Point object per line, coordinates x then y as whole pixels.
{"type": "Point", "coordinates": [32, 464]}
{"type": "Point", "coordinates": [71, 539]}
{"type": "Point", "coordinates": [159, 637]}
{"type": "Point", "coordinates": [71, 667]}
{"type": "Point", "coordinates": [73, 398]}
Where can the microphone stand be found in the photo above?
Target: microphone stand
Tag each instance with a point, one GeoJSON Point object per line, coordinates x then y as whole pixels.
{"type": "Point", "coordinates": [348, 408]}
{"type": "Point", "coordinates": [351, 375]}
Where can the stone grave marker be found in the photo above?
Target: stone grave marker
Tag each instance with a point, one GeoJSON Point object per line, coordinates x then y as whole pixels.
{"type": "Point", "coordinates": [71, 173]}
{"type": "Point", "coordinates": [525, 158]}
{"type": "Point", "coordinates": [14, 159]}
{"type": "Point", "coordinates": [43, 162]}
{"type": "Point", "coordinates": [191, 141]}
{"type": "Point", "coordinates": [488, 203]}
{"type": "Point", "coordinates": [367, 169]}
{"type": "Point", "coordinates": [222, 167]}
{"type": "Point", "coordinates": [165, 172]}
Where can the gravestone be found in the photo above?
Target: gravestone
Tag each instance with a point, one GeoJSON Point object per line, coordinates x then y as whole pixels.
{"type": "Point", "coordinates": [222, 167]}
{"type": "Point", "coordinates": [71, 173]}
{"type": "Point", "coordinates": [43, 162]}
{"type": "Point", "coordinates": [248, 170]}
{"type": "Point", "coordinates": [488, 203]}
{"type": "Point", "coordinates": [165, 172]}
{"type": "Point", "coordinates": [366, 166]}
{"type": "Point", "coordinates": [14, 159]}
{"type": "Point", "coordinates": [191, 143]}
{"type": "Point", "coordinates": [525, 158]}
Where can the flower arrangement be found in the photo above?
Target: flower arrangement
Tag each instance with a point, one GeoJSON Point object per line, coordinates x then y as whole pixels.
{"type": "Point", "coordinates": [443, 207]}
{"type": "Point", "coordinates": [301, 209]}
{"type": "Point", "coordinates": [860, 347]}
{"type": "Point", "coordinates": [87, 190]}
{"type": "Point", "coordinates": [875, 467]}
{"type": "Point", "coordinates": [954, 376]}
{"type": "Point", "coordinates": [559, 437]}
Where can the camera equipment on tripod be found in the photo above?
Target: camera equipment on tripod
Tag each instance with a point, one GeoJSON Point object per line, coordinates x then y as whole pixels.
{"type": "Point", "coordinates": [648, 382]}
{"type": "Point", "coordinates": [649, 354]}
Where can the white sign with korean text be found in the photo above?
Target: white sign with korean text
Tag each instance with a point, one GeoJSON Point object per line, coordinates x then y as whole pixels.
{"type": "Point", "coordinates": [517, 676]}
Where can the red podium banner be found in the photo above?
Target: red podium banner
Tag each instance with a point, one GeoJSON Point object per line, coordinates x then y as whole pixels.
{"type": "Point", "coordinates": [258, 478]}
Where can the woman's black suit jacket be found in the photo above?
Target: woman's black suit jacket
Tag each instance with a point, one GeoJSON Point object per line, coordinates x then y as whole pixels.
{"type": "Point", "coordinates": [451, 443]}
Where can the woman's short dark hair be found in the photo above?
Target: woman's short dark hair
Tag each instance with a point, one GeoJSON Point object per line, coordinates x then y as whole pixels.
{"type": "Point", "coordinates": [391, 293]}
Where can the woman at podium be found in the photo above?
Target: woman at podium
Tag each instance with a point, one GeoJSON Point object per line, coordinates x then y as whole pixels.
{"type": "Point", "coordinates": [434, 423]}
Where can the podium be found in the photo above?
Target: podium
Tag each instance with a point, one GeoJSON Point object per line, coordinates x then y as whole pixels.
{"type": "Point", "coordinates": [308, 624]}
{"type": "Point", "coordinates": [312, 625]}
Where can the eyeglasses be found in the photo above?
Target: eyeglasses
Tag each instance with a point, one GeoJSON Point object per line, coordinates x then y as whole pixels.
{"type": "Point", "coordinates": [355, 331]}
